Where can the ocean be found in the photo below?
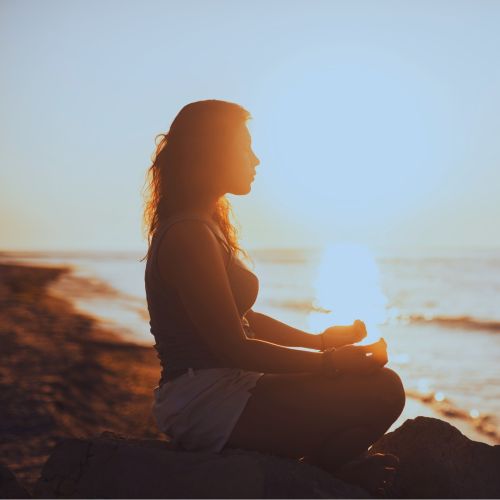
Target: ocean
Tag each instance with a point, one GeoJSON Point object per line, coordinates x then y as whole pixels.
{"type": "Point", "coordinates": [439, 314]}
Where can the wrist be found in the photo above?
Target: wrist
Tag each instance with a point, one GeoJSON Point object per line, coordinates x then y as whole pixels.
{"type": "Point", "coordinates": [322, 341]}
{"type": "Point", "coordinates": [327, 368]}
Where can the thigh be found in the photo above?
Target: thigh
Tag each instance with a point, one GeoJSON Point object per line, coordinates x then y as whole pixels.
{"type": "Point", "coordinates": [290, 414]}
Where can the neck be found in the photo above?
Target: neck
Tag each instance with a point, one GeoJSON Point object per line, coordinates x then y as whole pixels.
{"type": "Point", "coordinates": [203, 207]}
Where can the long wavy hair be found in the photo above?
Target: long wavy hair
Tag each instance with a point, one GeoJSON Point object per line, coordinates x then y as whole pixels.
{"type": "Point", "coordinates": [195, 140]}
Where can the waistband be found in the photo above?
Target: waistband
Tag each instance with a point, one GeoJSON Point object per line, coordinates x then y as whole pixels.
{"type": "Point", "coordinates": [170, 375]}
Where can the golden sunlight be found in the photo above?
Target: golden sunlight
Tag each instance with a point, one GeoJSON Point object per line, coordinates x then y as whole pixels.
{"type": "Point", "coordinates": [347, 287]}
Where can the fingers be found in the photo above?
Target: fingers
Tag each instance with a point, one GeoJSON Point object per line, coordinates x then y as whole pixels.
{"type": "Point", "coordinates": [376, 361]}
{"type": "Point", "coordinates": [355, 359]}
{"type": "Point", "coordinates": [359, 329]}
{"type": "Point", "coordinates": [370, 347]}
{"type": "Point", "coordinates": [382, 358]}
{"type": "Point", "coordinates": [378, 355]}
{"type": "Point", "coordinates": [374, 347]}
{"type": "Point", "coordinates": [381, 353]}
{"type": "Point", "coordinates": [369, 363]}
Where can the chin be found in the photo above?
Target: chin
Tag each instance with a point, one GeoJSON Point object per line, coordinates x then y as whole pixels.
{"type": "Point", "coordinates": [242, 189]}
{"type": "Point", "coordinates": [247, 190]}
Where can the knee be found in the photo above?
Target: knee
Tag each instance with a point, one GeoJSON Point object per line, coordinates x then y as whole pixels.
{"type": "Point", "coordinates": [390, 392]}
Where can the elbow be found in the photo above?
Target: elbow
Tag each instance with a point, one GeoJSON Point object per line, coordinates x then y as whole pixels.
{"type": "Point", "coordinates": [234, 354]}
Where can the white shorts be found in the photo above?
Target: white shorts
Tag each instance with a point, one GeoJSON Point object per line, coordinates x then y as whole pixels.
{"type": "Point", "coordinates": [199, 409]}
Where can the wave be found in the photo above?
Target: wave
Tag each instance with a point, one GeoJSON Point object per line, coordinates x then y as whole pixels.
{"type": "Point", "coordinates": [464, 322]}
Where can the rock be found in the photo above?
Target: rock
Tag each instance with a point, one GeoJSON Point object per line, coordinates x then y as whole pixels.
{"type": "Point", "coordinates": [438, 461]}
{"type": "Point", "coordinates": [9, 487]}
{"type": "Point", "coordinates": [111, 466]}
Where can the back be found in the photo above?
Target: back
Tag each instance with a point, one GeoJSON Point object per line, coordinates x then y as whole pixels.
{"type": "Point", "coordinates": [177, 343]}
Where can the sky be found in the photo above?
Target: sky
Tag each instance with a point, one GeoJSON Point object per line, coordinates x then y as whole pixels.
{"type": "Point", "coordinates": [376, 122]}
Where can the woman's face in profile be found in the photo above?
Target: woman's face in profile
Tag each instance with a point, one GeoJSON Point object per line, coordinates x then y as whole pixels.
{"type": "Point", "coordinates": [239, 162]}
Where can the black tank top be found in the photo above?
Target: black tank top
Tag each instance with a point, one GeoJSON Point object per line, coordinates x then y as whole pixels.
{"type": "Point", "coordinates": [178, 344]}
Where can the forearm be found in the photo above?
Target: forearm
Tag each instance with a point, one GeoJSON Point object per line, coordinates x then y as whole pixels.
{"type": "Point", "coordinates": [259, 355]}
{"type": "Point", "coordinates": [273, 330]}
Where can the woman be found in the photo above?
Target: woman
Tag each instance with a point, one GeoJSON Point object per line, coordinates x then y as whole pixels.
{"type": "Point", "coordinates": [229, 378]}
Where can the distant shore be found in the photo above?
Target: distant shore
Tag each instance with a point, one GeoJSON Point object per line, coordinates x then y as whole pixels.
{"type": "Point", "coordinates": [65, 375]}
{"type": "Point", "coordinates": [62, 374]}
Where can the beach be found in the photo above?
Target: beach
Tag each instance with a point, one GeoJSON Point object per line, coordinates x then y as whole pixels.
{"type": "Point", "coordinates": [62, 374]}
{"type": "Point", "coordinates": [69, 374]}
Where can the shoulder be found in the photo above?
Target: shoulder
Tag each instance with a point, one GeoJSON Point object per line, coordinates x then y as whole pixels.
{"type": "Point", "coordinates": [186, 230]}
{"type": "Point", "coordinates": [191, 235]}
{"type": "Point", "coordinates": [188, 242]}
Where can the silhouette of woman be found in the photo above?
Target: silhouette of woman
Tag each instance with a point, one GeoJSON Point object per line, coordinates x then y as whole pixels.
{"type": "Point", "coordinates": [229, 377]}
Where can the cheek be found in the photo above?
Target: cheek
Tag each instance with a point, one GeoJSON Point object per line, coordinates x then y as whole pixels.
{"type": "Point", "coordinates": [236, 165]}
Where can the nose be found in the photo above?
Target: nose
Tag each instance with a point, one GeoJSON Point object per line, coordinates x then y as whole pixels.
{"type": "Point", "coordinates": [256, 158]}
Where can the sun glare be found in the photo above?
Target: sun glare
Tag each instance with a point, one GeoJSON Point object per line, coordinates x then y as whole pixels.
{"type": "Point", "coordinates": [347, 285]}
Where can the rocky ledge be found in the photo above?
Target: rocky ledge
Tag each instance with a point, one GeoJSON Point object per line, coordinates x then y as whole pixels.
{"type": "Point", "coordinates": [436, 461]}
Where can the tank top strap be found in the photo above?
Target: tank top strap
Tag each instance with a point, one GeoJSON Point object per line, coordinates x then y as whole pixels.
{"type": "Point", "coordinates": [209, 222]}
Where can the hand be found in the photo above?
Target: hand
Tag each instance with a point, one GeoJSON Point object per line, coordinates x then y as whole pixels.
{"type": "Point", "coordinates": [377, 351]}
{"type": "Point", "coordinates": [338, 336]}
{"type": "Point", "coordinates": [355, 359]}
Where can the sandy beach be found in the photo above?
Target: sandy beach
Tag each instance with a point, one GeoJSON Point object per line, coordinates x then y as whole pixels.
{"type": "Point", "coordinates": [62, 374]}
{"type": "Point", "coordinates": [66, 375]}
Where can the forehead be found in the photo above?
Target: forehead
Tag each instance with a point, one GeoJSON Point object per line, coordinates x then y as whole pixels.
{"type": "Point", "coordinates": [243, 134]}
{"type": "Point", "coordinates": [239, 135]}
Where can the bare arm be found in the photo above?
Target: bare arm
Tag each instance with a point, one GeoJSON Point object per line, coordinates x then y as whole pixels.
{"type": "Point", "coordinates": [190, 258]}
{"type": "Point", "coordinates": [259, 355]}
{"type": "Point", "coordinates": [277, 332]}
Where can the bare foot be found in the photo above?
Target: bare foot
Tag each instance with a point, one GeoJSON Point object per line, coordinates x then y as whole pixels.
{"type": "Point", "coordinates": [375, 473]}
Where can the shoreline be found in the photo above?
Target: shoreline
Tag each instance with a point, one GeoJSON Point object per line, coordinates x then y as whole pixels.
{"type": "Point", "coordinates": [64, 374]}
{"type": "Point", "coordinates": [68, 375]}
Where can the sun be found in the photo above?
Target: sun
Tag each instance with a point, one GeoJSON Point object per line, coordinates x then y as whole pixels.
{"type": "Point", "coordinates": [347, 284]}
